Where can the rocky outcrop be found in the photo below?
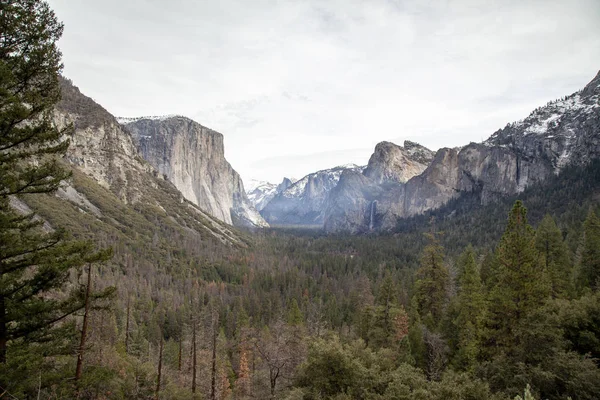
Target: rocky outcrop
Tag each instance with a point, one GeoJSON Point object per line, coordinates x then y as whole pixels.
{"type": "Point", "coordinates": [101, 149]}
{"type": "Point", "coordinates": [565, 131]}
{"type": "Point", "coordinates": [393, 163]}
{"type": "Point", "coordinates": [367, 201]}
{"type": "Point", "coordinates": [304, 202]}
{"type": "Point", "coordinates": [260, 193]}
{"type": "Point", "coordinates": [192, 157]}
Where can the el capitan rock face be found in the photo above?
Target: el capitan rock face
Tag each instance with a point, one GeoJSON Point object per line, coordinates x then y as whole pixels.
{"type": "Point", "coordinates": [191, 156]}
{"type": "Point", "coordinates": [565, 131]}
{"type": "Point", "coordinates": [105, 152]}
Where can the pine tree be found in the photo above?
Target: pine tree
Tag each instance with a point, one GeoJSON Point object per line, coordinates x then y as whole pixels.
{"type": "Point", "coordinates": [432, 283]}
{"type": "Point", "coordinates": [555, 256]}
{"type": "Point", "coordinates": [34, 263]}
{"type": "Point", "coordinates": [520, 282]}
{"type": "Point", "coordinates": [295, 317]}
{"type": "Point", "coordinates": [589, 268]}
{"type": "Point", "coordinates": [471, 308]}
{"type": "Point", "coordinates": [415, 336]}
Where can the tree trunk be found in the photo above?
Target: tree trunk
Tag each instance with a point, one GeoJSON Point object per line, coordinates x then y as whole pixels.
{"type": "Point", "coordinates": [3, 331]}
{"type": "Point", "coordinates": [273, 375]}
{"type": "Point", "coordinates": [160, 354]}
{"type": "Point", "coordinates": [180, 349]}
{"type": "Point", "coordinates": [127, 324]}
{"type": "Point", "coordinates": [213, 381]}
{"type": "Point", "coordinates": [213, 392]}
{"type": "Point", "coordinates": [194, 356]}
{"type": "Point", "coordinates": [84, 328]}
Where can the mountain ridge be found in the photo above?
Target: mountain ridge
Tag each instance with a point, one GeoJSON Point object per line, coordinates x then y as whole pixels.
{"type": "Point", "coordinates": [302, 203]}
{"type": "Point", "coordinates": [524, 152]}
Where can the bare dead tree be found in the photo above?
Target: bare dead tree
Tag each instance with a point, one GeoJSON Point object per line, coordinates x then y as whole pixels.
{"type": "Point", "coordinates": [160, 356]}
{"type": "Point", "coordinates": [437, 351]}
{"type": "Point", "coordinates": [280, 350]}
{"type": "Point", "coordinates": [194, 355]}
{"type": "Point", "coordinates": [213, 379]}
{"type": "Point", "coordinates": [127, 324]}
{"type": "Point", "coordinates": [84, 328]}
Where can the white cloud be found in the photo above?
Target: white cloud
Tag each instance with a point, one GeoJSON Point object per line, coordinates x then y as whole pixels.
{"type": "Point", "coordinates": [298, 85]}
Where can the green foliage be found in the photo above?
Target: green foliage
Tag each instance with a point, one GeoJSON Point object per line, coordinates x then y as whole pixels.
{"type": "Point", "coordinates": [526, 395]}
{"type": "Point", "coordinates": [471, 308]}
{"type": "Point", "coordinates": [295, 316]}
{"type": "Point", "coordinates": [520, 284]}
{"type": "Point", "coordinates": [555, 256]}
{"type": "Point", "coordinates": [589, 269]}
{"type": "Point", "coordinates": [432, 283]}
{"type": "Point", "coordinates": [35, 260]}
{"type": "Point", "coordinates": [580, 321]}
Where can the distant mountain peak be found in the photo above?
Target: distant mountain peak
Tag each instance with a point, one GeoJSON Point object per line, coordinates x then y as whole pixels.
{"type": "Point", "coordinates": [304, 202]}
{"type": "Point", "coordinates": [260, 193]}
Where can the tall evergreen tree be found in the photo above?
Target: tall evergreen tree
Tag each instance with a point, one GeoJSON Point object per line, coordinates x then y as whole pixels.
{"type": "Point", "coordinates": [294, 316]}
{"type": "Point", "coordinates": [34, 263]}
{"type": "Point", "coordinates": [520, 282]}
{"type": "Point", "coordinates": [589, 265]}
{"type": "Point", "coordinates": [471, 308]}
{"type": "Point", "coordinates": [555, 256]}
{"type": "Point", "coordinates": [431, 286]}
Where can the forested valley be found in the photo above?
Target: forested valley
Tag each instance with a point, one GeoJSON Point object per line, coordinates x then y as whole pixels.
{"type": "Point", "coordinates": [420, 313]}
{"type": "Point", "coordinates": [137, 301]}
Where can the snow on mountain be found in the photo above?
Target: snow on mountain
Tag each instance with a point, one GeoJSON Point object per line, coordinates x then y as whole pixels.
{"type": "Point", "coordinates": [127, 120]}
{"type": "Point", "coordinates": [563, 132]}
{"type": "Point", "coordinates": [303, 202]}
{"type": "Point", "coordinates": [329, 176]}
{"type": "Point", "coordinates": [260, 193]}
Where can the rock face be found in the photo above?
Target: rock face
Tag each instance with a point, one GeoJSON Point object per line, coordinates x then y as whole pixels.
{"type": "Point", "coordinates": [260, 193]}
{"type": "Point", "coordinates": [304, 202]}
{"type": "Point", "coordinates": [392, 163]}
{"type": "Point", "coordinates": [191, 156]}
{"type": "Point", "coordinates": [565, 131]}
{"type": "Point", "coordinates": [99, 146]}
{"type": "Point", "coordinates": [101, 149]}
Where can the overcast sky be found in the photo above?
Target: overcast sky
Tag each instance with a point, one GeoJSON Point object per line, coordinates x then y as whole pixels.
{"type": "Point", "coordinates": [300, 85]}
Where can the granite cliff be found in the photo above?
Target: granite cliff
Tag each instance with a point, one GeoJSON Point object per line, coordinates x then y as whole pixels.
{"type": "Point", "coordinates": [102, 153]}
{"type": "Point", "coordinates": [565, 131]}
{"type": "Point", "coordinates": [192, 157]}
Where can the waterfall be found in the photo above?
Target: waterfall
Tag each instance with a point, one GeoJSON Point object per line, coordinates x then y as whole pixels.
{"type": "Point", "coordinates": [373, 206]}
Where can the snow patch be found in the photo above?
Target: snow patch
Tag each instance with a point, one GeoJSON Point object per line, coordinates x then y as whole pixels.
{"type": "Point", "coordinates": [332, 175]}
{"type": "Point", "coordinates": [128, 120]}
{"type": "Point", "coordinates": [542, 126]}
